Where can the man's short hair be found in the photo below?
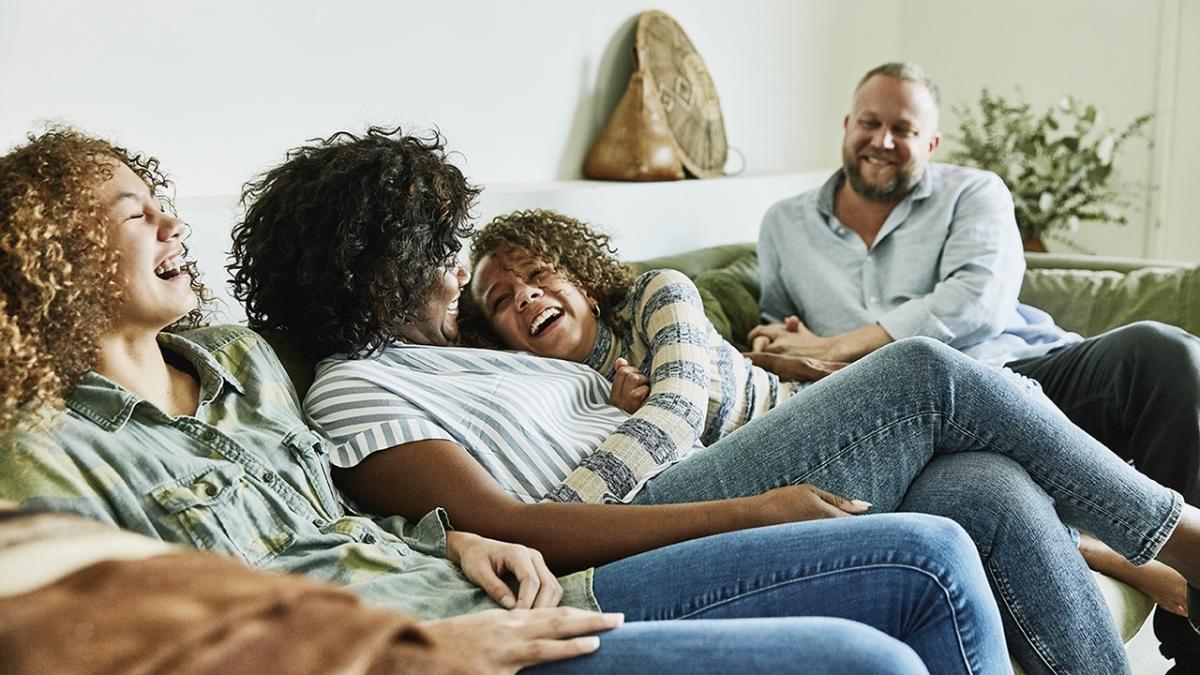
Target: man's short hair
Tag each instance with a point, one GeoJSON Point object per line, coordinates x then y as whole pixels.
{"type": "Point", "coordinates": [904, 70]}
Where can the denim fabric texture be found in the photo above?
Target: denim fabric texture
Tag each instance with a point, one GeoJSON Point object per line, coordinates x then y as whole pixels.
{"type": "Point", "coordinates": [1055, 618]}
{"type": "Point", "coordinates": [1136, 389]}
{"type": "Point", "coordinates": [914, 577]}
{"type": "Point", "coordinates": [927, 400]}
{"type": "Point", "coordinates": [745, 646]}
{"type": "Point", "coordinates": [244, 476]}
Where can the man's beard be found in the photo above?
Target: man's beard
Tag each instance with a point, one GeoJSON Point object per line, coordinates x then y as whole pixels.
{"type": "Point", "coordinates": [901, 183]}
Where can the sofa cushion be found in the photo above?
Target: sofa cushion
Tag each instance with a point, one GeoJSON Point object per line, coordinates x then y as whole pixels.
{"type": "Point", "coordinates": [1091, 302]}
{"type": "Point", "coordinates": [728, 304]}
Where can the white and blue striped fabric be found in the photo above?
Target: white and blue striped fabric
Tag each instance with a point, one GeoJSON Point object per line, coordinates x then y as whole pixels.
{"type": "Point", "coordinates": [528, 420]}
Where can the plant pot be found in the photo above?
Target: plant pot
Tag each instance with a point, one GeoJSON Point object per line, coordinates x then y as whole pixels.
{"type": "Point", "coordinates": [1035, 245]}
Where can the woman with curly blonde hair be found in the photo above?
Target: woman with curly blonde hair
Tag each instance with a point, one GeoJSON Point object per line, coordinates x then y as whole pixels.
{"type": "Point", "coordinates": [60, 288]}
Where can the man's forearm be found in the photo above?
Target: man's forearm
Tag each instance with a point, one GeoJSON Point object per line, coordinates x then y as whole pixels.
{"type": "Point", "coordinates": [857, 343]}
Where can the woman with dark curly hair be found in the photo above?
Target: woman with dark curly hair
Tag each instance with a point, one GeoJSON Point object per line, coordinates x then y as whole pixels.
{"type": "Point", "coordinates": [507, 441]}
{"type": "Point", "coordinates": [557, 256]}
{"type": "Point", "coordinates": [194, 436]}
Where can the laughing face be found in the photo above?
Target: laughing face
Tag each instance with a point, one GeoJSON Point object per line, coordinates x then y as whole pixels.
{"type": "Point", "coordinates": [890, 133]}
{"type": "Point", "coordinates": [156, 287]}
{"type": "Point", "coordinates": [533, 307]}
{"type": "Point", "coordinates": [438, 325]}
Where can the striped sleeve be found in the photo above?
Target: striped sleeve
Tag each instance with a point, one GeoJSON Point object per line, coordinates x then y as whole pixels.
{"type": "Point", "coordinates": [360, 417]}
{"type": "Point", "coordinates": [668, 316]}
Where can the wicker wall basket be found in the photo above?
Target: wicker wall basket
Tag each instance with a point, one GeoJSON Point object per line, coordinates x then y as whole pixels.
{"type": "Point", "coordinates": [669, 116]}
{"type": "Point", "coordinates": [686, 92]}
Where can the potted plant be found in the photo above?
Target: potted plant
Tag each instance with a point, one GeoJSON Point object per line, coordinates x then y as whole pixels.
{"type": "Point", "coordinates": [1058, 164]}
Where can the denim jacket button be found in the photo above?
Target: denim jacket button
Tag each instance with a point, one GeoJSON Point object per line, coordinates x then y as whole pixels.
{"type": "Point", "coordinates": [368, 538]}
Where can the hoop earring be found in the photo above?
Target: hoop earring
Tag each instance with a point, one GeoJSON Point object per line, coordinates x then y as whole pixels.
{"type": "Point", "coordinates": [596, 310]}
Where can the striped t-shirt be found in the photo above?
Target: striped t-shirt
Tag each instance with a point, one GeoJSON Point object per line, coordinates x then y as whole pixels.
{"type": "Point", "coordinates": [531, 422]}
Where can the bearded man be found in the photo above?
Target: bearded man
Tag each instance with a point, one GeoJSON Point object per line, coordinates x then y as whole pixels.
{"type": "Point", "coordinates": [895, 246]}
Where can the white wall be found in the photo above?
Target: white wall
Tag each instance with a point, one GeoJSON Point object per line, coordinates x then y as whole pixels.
{"type": "Point", "coordinates": [219, 89]}
{"type": "Point", "coordinates": [1126, 56]}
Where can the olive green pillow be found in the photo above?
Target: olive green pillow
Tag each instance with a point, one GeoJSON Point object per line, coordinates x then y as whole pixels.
{"type": "Point", "coordinates": [1091, 302]}
{"type": "Point", "coordinates": [728, 302]}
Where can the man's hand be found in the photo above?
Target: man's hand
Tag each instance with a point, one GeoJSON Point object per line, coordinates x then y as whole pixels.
{"type": "Point", "coordinates": [791, 337]}
{"type": "Point", "coordinates": [630, 388]}
{"type": "Point", "coordinates": [792, 503]}
{"type": "Point", "coordinates": [499, 642]}
{"type": "Point", "coordinates": [485, 561]}
{"type": "Point", "coordinates": [798, 368]}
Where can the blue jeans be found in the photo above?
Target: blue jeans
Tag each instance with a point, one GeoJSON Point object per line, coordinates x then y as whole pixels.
{"type": "Point", "coordinates": [869, 430]}
{"type": "Point", "coordinates": [1136, 389]}
{"type": "Point", "coordinates": [1055, 617]}
{"type": "Point", "coordinates": [880, 593]}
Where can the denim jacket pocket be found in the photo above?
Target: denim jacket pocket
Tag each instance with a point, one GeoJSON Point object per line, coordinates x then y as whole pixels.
{"type": "Point", "coordinates": [216, 510]}
{"type": "Point", "coordinates": [308, 448]}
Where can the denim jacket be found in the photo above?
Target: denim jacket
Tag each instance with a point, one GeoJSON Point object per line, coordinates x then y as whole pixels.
{"type": "Point", "coordinates": [244, 476]}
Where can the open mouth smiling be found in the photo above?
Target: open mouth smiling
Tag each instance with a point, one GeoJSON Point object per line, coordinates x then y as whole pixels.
{"type": "Point", "coordinates": [171, 267]}
{"type": "Point", "coordinates": [543, 321]}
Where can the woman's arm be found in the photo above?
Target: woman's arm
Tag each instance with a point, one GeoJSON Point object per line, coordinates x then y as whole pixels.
{"type": "Point", "coordinates": [412, 479]}
{"type": "Point", "coordinates": [668, 316]}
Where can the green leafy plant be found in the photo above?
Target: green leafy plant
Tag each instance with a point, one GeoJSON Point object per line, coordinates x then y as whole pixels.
{"type": "Point", "coordinates": [1058, 164]}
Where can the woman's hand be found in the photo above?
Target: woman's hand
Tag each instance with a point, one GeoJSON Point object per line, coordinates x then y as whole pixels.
{"type": "Point", "coordinates": [792, 503]}
{"type": "Point", "coordinates": [486, 561]}
{"type": "Point", "coordinates": [630, 388]}
{"type": "Point", "coordinates": [798, 368]}
{"type": "Point", "coordinates": [500, 642]}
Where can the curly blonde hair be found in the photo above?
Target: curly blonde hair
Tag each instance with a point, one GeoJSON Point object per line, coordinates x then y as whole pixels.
{"type": "Point", "coordinates": [570, 246]}
{"type": "Point", "coordinates": [59, 287]}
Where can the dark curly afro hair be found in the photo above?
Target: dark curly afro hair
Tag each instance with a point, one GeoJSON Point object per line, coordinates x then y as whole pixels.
{"type": "Point", "coordinates": [570, 246]}
{"type": "Point", "coordinates": [344, 242]}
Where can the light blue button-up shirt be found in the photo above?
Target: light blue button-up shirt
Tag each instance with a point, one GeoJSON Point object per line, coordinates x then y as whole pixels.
{"type": "Point", "coordinates": [947, 264]}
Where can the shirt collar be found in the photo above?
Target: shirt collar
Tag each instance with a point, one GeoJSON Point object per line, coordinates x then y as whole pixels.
{"type": "Point", "coordinates": [603, 358]}
{"type": "Point", "coordinates": [825, 195]}
{"type": "Point", "coordinates": [110, 405]}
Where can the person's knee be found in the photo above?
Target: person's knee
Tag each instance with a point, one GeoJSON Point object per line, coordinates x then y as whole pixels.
{"type": "Point", "coordinates": [858, 648]}
{"type": "Point", "coordinates": [985, 493]}
{"type": "Point", "coordinates": [925, 357]}
{"type": "Point", "coordinates": [936, 538]}
{"type": "Point", "coordinates": [1159, 343]}
{"type": "Point", "coordinates": [1166, 353]}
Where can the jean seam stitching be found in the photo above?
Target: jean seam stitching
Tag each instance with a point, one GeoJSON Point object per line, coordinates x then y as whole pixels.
{"type": "Point", "coordinates": [1147, 539]}
{"type": "Point", "coordinates": [936, 579]}
{"type": "Point", "coordinates": [856, 443]}
{"type": "Point", "coordinates": [1034, 641]}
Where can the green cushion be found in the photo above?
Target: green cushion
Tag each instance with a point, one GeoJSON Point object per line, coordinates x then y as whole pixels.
{"type": "Point", "coordinates": [1091, 302]}
{"type": "Point", "coordinates": [728, 303]}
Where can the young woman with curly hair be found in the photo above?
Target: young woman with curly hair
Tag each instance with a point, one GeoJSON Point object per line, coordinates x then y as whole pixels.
{"type": "Point", "coordinates": [60, 289]}
{"type": "Point", "coordinates": [537, 271]}
{"type": "Point", "coordinates": [508, 441]}
{"type": "Point", "coordinates": [195, 436]}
